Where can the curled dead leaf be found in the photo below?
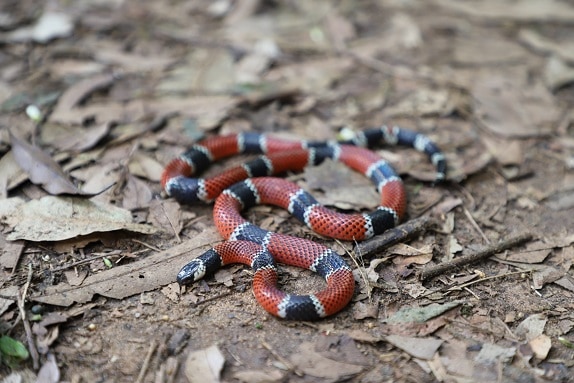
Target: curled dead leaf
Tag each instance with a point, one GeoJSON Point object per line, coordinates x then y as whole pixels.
{"type": "Point", "coordinates": [42, 169]}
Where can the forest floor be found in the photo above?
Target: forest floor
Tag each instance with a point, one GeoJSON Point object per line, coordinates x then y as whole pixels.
{"type": "Point", "coordinates": [87, 278]}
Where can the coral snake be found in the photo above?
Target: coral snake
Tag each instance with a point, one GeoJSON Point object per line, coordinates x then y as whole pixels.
{"type": "Point", "coordinates": [246, 185]}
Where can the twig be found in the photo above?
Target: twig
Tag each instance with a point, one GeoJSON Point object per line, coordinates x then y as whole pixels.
{"type": "Point", "coordinates": [359, 270]}
{"type": "Point", "coordinates": [27, 329]}
{"type": "Point", "coordinates": [145, 365]}
{"type": "Point", "coordinates": [146, 245]}
{"type": "Point", "coordinates": [206, 300]}
{"type": "Point", "coordinates": [87, 260]}
{"type": "Point", "coordinates": [390, 237]}
{"type": "Point", "coordinates": [487, 252]}
{"type": "Point", "coordinates": [475, 225]}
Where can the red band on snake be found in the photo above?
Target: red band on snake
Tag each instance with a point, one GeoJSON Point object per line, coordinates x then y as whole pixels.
{"type": "Point", "coordinates": [259, 248]}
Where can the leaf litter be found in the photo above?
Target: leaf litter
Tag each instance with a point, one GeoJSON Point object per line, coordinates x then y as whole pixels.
{"type": "Point", "coordinates": [479, 78]}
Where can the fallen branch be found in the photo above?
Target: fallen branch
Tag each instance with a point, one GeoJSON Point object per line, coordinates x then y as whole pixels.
{"type": "Point", "coordinates": [487, 252]}
{"type": "Point", "coordinates": [397, 234]}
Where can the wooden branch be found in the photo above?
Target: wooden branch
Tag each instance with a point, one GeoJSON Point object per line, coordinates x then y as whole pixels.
{"type": "Point", "coordinates": [487, 252]}
{"type": "Point", "coordinates": [400, 233]}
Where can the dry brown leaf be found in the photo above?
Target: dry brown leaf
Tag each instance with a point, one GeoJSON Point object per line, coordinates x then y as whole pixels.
{"type": "Point", "coordinates": [487, 49]}
{"type": "Point", "coordinates": [144, 166]}
{"type": "Point", "coordinates": [11, 175]}
{"type": "Point", "coordinates": [343, 188]}
{"type": "Point", "coordinates": [314, 364]}
{"type": "Point", "coordinates": [77, 93]}
{"type": "Point", "coordinates": [76, 139]}
{"type": "Point", "coordinates": [511, 105]}
{"type": "Point", "coordinates": [563, 49]}
{"type": "Point", "coordinates": [115, 54]}
{"type": "Point", "coordinates": [520, 10]}
{"type": "Point", "coordinates": [205, 365]}
{"type": "Point", "coordinates": [137, 194]}
{"type": "Point", "coordinates": [50, 25]}
{"type": "Point", "coordinates": [423, 102]}
{"type": "Point", "coordinates": [10, 252]}
{"type": "Point", "coordinates": [166, 214]}
{"type": "Point", "coordinates": [259, 376]}
{"type": "Point", "coordinates": [42, 169]}
{"type": "Point", "coordinates": [151, 273]}
{"type": "Point", "coordinates": [57, 218]}
{"type": "Point", "coordinates": [491, 354]}
{"type": "Point", "coordinates": [422, 348]}
{"type": "Point", "coordinates": [49, 373]}
{"type": "Point", "coordinates": [535, 252]}
{"type": "Point", "coordinates": [64, 68]}
{"type": "Point", "coordinates": [557, 73]}
{"type": "Point", "coordinates": [365, 310]}
{"type": "Point", "coordinates": [506, 152]}
{"type": "Point", "coordinates": [310, 77]}
{"type": "Point", "coordinates": [531, 327]}
{"type": "Point", "coordinates": [204, 70]}
{"type": "Point", "coordinates": [341, 348]}
{"type": "Point", "coordinates": [541, 346]}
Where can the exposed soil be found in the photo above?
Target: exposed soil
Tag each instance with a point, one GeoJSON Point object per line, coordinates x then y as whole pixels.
{"type": "Point", "coordinates": [125, 86]}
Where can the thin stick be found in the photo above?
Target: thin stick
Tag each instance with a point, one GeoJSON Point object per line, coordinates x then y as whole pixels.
{"type": "Point", "coordinates": [27, 328]}
{"type": "Point", "coordinates": [475, 225]}
{"type": "Point", "coordinates": [145, 365]}
{"type": "Point", "coordinates": [206, 300]}
{"type": "Point", "coordinates": [390, 237]}
{"type": "Point", "coordinates": [359, 269]}
{"type": "Point", "coordinates": [487, 252]}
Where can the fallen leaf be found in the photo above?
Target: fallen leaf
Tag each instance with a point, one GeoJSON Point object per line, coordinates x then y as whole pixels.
{"type": "Point", "coordinates": [166, 214]}
{"type": "Point", "coordinates": [546, 275]}
{"type": "Point", "coordinates": [314, 364]}
{"type": "Point", "coordinates": [76, 94]}
{"type": "Point", "coordinates": [49, 26]}
{"type": "Point", "coordinates": [564, 49]}
{"type": "Point", "coordinates": [420, 314]}
{"type": "Point", "coordinates": [531, 327]}
{"type": "Point", "coordinates": [541, 346]}
{"type": "Point", "coordinates": [205, 365]}
{"type": "Point", "coordinates": [11, 174]}
{"type": "Point", "coordinates": [259, 376]}
{"type": "Point", "coordinates": [148, 274]}
{"type": "Point", "coordinates": [49, 372]}
{"type": "Point", "coordinates": [557, 73]}
{"type": "Point", "coordinates": [114, 53]}
{"type": "Point", "coordinates": [208, 70]}
{"type": "Point", "coordinates": [344, 188]}
{"type": "Point", "coordinates": [363, 336]}
{"type": "Point", "coordinates": [10, 252]}
{"type": "Point", "coordinates": [422, 348]}
{"type": "Point", "coordinates": [137, 194]}
{"type": "Point", "coordinates": [566, 282]}
{"type": "Point", "coordinates": [58, 218]}
{"type": "Point", "coordinates": [365, 310]}
{"type": "Point", "coordinates": [146, 167]}
{"type": "Point", "coordinates": [492, 354]}
{"type": "Point", "coordinates": [341, 348]}
{"type": "Point", "coordinates": [535, 252]}
{"type": "Point", "coordinates": [42, 169]}
{"type": "Point", "coordinates": [74, 138]}
{"type": "Point", "coordinates": [423, 102]}
{"type": "Point", "coordinates": [520, 10]}
{"type": "Point", "coordinates": [514, 106]}
{"type": "Point", "coordinates": [506, 152]}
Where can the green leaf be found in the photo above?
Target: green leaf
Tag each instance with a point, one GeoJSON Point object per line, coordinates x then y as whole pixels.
{"type": "Point", "coordinates": [12, 347]}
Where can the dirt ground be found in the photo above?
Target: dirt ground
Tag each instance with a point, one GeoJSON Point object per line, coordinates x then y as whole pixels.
{"type": "Point", "coordinates": [108, 92]}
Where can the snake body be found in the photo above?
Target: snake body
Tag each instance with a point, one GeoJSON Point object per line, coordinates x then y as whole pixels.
{"type": "Point", "coordinates": [246, 185]}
